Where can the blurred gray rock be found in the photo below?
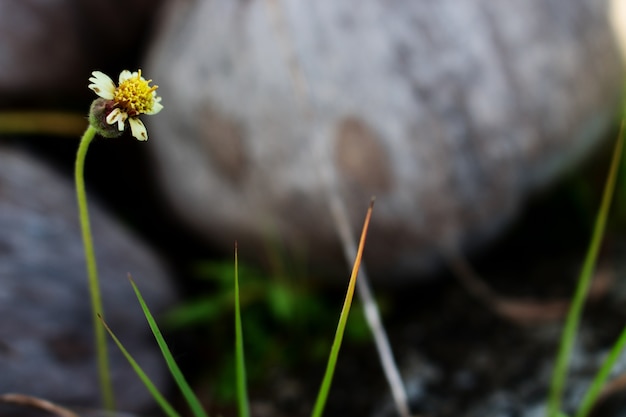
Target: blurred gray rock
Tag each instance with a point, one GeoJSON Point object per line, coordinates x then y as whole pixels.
{"type": "Point", "coordinates": [46, 334]}
{"type": "Point", "coordinates": [49, 48]}
{"type": "Point", "coordinates": [451, 113]}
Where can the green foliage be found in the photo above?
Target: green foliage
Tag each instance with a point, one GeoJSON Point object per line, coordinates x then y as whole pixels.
{"type": "Point", "coordinates": [268, 302]}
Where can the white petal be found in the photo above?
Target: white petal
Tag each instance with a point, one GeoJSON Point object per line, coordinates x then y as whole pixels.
{"type": "Point", "coordinates": [125, 75]}
{"type": "Point", "coordinates": [138, 129]}
{"type": "Point", "coordinates": [117, 116]}
{"type": "Point", "coordinates": [156, 107]}
{"type": "Point", "coordinates": [102, 85]}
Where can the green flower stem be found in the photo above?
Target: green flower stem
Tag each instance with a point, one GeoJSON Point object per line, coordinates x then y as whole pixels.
{"type": "Point", "coordinates": [92, 272]}
{"type": "Point", "coordinates": [584, 281]}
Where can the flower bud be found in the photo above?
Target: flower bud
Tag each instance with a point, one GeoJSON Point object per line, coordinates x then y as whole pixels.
{"type": "Point", "coordinates": [98, 113]}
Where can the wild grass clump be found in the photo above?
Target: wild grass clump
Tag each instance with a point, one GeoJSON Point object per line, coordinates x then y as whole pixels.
{"type": "Point", "coordinates": [240, 369]}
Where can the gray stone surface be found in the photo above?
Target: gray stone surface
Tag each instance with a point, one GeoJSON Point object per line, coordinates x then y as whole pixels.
{"type": "Point", "coordinates": [46, 336]}
{"type": "Point", "coordinates": [451, 113]}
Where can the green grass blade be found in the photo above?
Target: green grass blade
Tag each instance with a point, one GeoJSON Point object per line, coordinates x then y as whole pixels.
{"type": "Point", "coordinates": [320, 403]}
{"type": "Point", "coordinates": [184, 387]}
{"type": "Point", "coordinates": [240, 365]}
{"type": "Point", "coordinates": [573, 318]}
{"type": "Point", "coordinates": [598, 382]}
{"type": "Point", "coordinates": [158, 397]}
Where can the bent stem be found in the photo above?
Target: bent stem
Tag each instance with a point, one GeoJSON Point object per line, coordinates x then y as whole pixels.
{"type": "Point", "coordinates": [106, 387]}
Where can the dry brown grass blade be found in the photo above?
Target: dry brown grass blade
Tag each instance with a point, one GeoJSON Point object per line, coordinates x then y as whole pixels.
{"type": "Point", "coordinates": [34, 402]}
{"type": "Point", "coordinates": [372, 314]}
{"type": "Point", "coordinates": [517, 310]}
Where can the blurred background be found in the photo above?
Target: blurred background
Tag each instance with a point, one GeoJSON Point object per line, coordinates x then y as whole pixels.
{"type": "Point", "coordinates": [484, 130]}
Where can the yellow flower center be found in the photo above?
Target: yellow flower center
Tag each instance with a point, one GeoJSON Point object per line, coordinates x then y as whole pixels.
{"type": "Point", "coordinates": [135, 95]}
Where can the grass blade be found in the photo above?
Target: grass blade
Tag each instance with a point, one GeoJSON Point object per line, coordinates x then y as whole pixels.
{"type": "Point", "coordinates": [369, 305]}
{"type": "Point", "coordinates": [598, 382]}
{"type": "Point", "coordinates": [158, 397]}
{"type": "Point", "coordinates": [343, 318]}
{"type": "Point", "coordinates": [595, 388]}
{"type": "Point", "coordinates": [573, 318]}
{"type": "Point", "coordinates": [184, 387]}
{"type": "Point", "coordinates": [240, 365]}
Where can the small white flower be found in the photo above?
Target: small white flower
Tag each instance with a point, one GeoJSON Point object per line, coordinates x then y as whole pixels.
{"type": "Point", "coordinates": [132, 97]}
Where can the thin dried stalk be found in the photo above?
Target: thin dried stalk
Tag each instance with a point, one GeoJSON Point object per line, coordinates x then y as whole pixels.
{"type": "Point", "coordinates": [30, 401]}
{"type": "Point", "coordinates": [523, 311]}
{"type": "Point", "coordinates": [342, 221]}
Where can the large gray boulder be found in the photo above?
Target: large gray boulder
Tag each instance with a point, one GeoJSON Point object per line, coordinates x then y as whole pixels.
{"type": "Point", "coordinates": [451, 113]}
{"type": "Point", "coordinates": [46, 331]}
